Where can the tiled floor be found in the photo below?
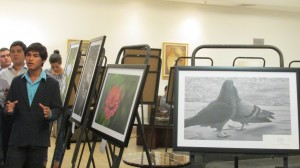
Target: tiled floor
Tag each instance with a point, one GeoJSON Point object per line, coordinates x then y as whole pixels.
{"type": "Point", "coordinates": [277, 162]}
{"type": "Point", "coordinates": [99, 158]}
{"type": "Point", "coordinates": [102, 162]}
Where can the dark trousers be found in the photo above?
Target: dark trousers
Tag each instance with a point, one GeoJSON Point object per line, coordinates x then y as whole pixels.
{"type": "Point", "coordinates": [25, 157]}
{"type": "Point", "coordinates": [2, 159]}
{"type": "Point", "coordinates": [5, 129]}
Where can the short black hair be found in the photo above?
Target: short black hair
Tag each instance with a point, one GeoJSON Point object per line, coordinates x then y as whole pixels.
{"type": "Point", "coordinates": [4, 49]}
{"type": "Point", "coordinates": [55, 57]}
{"type": "Point", "coordinates": [38, 47]}
{"type": "Point", "coordinates": [18, 43]}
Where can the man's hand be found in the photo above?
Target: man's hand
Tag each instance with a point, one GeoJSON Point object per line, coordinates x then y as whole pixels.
{"type": "Point", "coordinates": [46, 110]}
{"type": "Point", "coordinates": [10, 106]}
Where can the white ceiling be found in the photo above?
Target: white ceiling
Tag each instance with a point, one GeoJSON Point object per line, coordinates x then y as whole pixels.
{"type": "Point", "coordinates": [279, 5]}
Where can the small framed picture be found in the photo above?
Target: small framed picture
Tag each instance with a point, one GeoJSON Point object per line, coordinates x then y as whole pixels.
{"type": "Point", "coordinates": [171, 52]}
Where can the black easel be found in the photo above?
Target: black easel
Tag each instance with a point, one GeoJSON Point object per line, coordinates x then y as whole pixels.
{"type": "Point", "coordinates": [96, 82]}
{"type": "Point", "coordinates": [86, 131]}
{"type": "Point", "coordinates": [150, 92]}
{"type": "Point", "coordinates": [113, 159]}
{"type": "Point", "coordinates": [170, 93]}
{"type": "Point", "coordinates": [281, 64]}
{"type": "Point", "coordinates": [237, 46]}
{"type": "Point", "coordinates": [140, 124]}
{"type": "Point", "coordinates": [65, 102]}
{"type": "Point", "coordinates": [66, 124]}
{"type": "Point", "coordinates": [257, 58]}
{"type": "Point", "coordinates": [292, 62]}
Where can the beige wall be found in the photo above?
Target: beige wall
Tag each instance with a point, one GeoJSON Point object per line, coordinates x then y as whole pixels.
{"type": "Point", "coordinates": [128, 22]}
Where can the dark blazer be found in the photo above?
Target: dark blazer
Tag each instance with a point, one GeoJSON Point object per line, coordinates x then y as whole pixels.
{"type": "Point", "coordinates": [30, 127]}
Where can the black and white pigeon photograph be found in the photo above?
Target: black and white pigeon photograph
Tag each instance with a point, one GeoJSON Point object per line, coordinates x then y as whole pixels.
{"type": "Point", "coordinates": [236, 108]}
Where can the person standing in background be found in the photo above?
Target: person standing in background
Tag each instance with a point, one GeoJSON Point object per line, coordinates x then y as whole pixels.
{"type": "Point", "coordinates": [17, 50]}
{"type": "Point", "coordinates": [56, 72]}
{"type": "Point", "coordinates": [33, 102]}
{"type": "Point", "coordinates": [164, 107]}
{"type": "Point", "coordinates": [5, 60]}
{"type": "Point", "coordinates": [17, 55]}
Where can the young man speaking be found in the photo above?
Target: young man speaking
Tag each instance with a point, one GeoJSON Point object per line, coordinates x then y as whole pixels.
{"type": "Point", "coordinates": [33, 101]}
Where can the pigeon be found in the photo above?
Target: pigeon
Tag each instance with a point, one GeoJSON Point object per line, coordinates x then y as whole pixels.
{"type": "Point", "coordinates": [218, 112]}
{"type": "Point", "coordinates": [248, 112]}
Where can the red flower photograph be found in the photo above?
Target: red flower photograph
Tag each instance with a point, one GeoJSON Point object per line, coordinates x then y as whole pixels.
{"type": "Point", "coordinates": [116, 101]}
{"type": "Point", "coordinates": [112, 102]}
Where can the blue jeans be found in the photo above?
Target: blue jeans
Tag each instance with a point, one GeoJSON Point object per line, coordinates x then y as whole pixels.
{"type": "Point", "coordinates": [1, 145]}
{"type": "Point", "coordinates": [59, 142]}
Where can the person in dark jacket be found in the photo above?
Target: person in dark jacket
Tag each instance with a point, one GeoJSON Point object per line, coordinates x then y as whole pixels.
{"type": "Point", "coordinates": [33, 102]}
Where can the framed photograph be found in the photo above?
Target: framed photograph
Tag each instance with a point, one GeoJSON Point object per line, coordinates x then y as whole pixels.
{"type": "Point", "coordinates": [171, 52]}
{"type": "Point", "coordinates": [117, 105]}
{"type": "Point", "coordinates": [236, 110]}
{"type": "Point", "coordinates": [69, 74]}
{"type": "Point", "coordinates": [86, 80]}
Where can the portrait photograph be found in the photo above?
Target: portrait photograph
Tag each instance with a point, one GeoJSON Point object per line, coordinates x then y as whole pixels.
{"type": "Point", "coordinates": [237, 109]}
{"type": "Point", "coordinates": [171, 52]}
{"type": "Point", "coordinates": [117, 104]}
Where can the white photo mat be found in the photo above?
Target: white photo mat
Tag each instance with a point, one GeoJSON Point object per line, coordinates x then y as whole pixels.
{"type": "Point", "coordinates": [290, 141]}
{"type": "Point", "coordinates": [121, 137]}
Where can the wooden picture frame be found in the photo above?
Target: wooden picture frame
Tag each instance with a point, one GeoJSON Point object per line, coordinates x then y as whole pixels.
{"type": "Point", "coordinates": [210, 100]}
{"type": "Point", "coordinates": [171, 52]}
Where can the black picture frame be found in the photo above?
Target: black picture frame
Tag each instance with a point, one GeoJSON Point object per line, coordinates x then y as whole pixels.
{"type": "Point", "coordinates": [170, 88]}
{"type": "Point", "coordinates": [117, 104]}
{"type": "Point", "coordinates": [267, 99]}
{"type": "Point", "coordinates": [83, 94]}
{"type": "Point", "coordinates": [69, 74]}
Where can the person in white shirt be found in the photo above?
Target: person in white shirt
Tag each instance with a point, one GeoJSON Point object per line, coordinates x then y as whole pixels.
{"type": "Point", "coordinates": [17, 54]}
{"type": "Point", "coordinates": [5, 60]}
